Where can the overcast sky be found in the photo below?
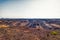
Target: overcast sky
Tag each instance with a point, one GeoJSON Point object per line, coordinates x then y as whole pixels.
{"type": "Point", "coordinates": [30, 9]}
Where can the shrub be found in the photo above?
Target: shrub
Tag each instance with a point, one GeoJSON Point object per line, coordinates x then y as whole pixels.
{"type": "Point", "coordinates": [54, 32]}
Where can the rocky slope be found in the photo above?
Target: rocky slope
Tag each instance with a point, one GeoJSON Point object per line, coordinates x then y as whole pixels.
{"type": "Point", "coordinates": [49, 24]}
{"type": "Point", "coordinates": [29, 29]}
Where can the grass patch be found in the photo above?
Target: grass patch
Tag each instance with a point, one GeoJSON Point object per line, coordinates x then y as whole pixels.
{"type": "Point", "coordinates": [54, 32]}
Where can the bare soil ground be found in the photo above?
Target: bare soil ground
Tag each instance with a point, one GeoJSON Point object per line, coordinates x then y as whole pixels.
{"type": "Point", "coordinates": [16, 30]}
{"type": "Point", "coordinates": [23, 33]}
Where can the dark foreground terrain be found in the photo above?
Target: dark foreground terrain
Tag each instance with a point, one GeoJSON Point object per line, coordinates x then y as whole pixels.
{"type": "Point", "coordinates": [29, 29]}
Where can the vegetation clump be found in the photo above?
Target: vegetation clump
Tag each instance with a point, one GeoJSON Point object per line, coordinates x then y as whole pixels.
{"type": "Point", "coordinates": [54, 32]}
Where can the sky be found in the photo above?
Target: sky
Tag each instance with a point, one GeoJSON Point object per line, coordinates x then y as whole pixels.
{"type": "Point", "coordinates": [29, 8]}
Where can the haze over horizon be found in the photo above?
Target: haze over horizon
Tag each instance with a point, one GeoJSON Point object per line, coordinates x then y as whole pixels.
{"type": "Point", "coordinates": [29, 8]}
